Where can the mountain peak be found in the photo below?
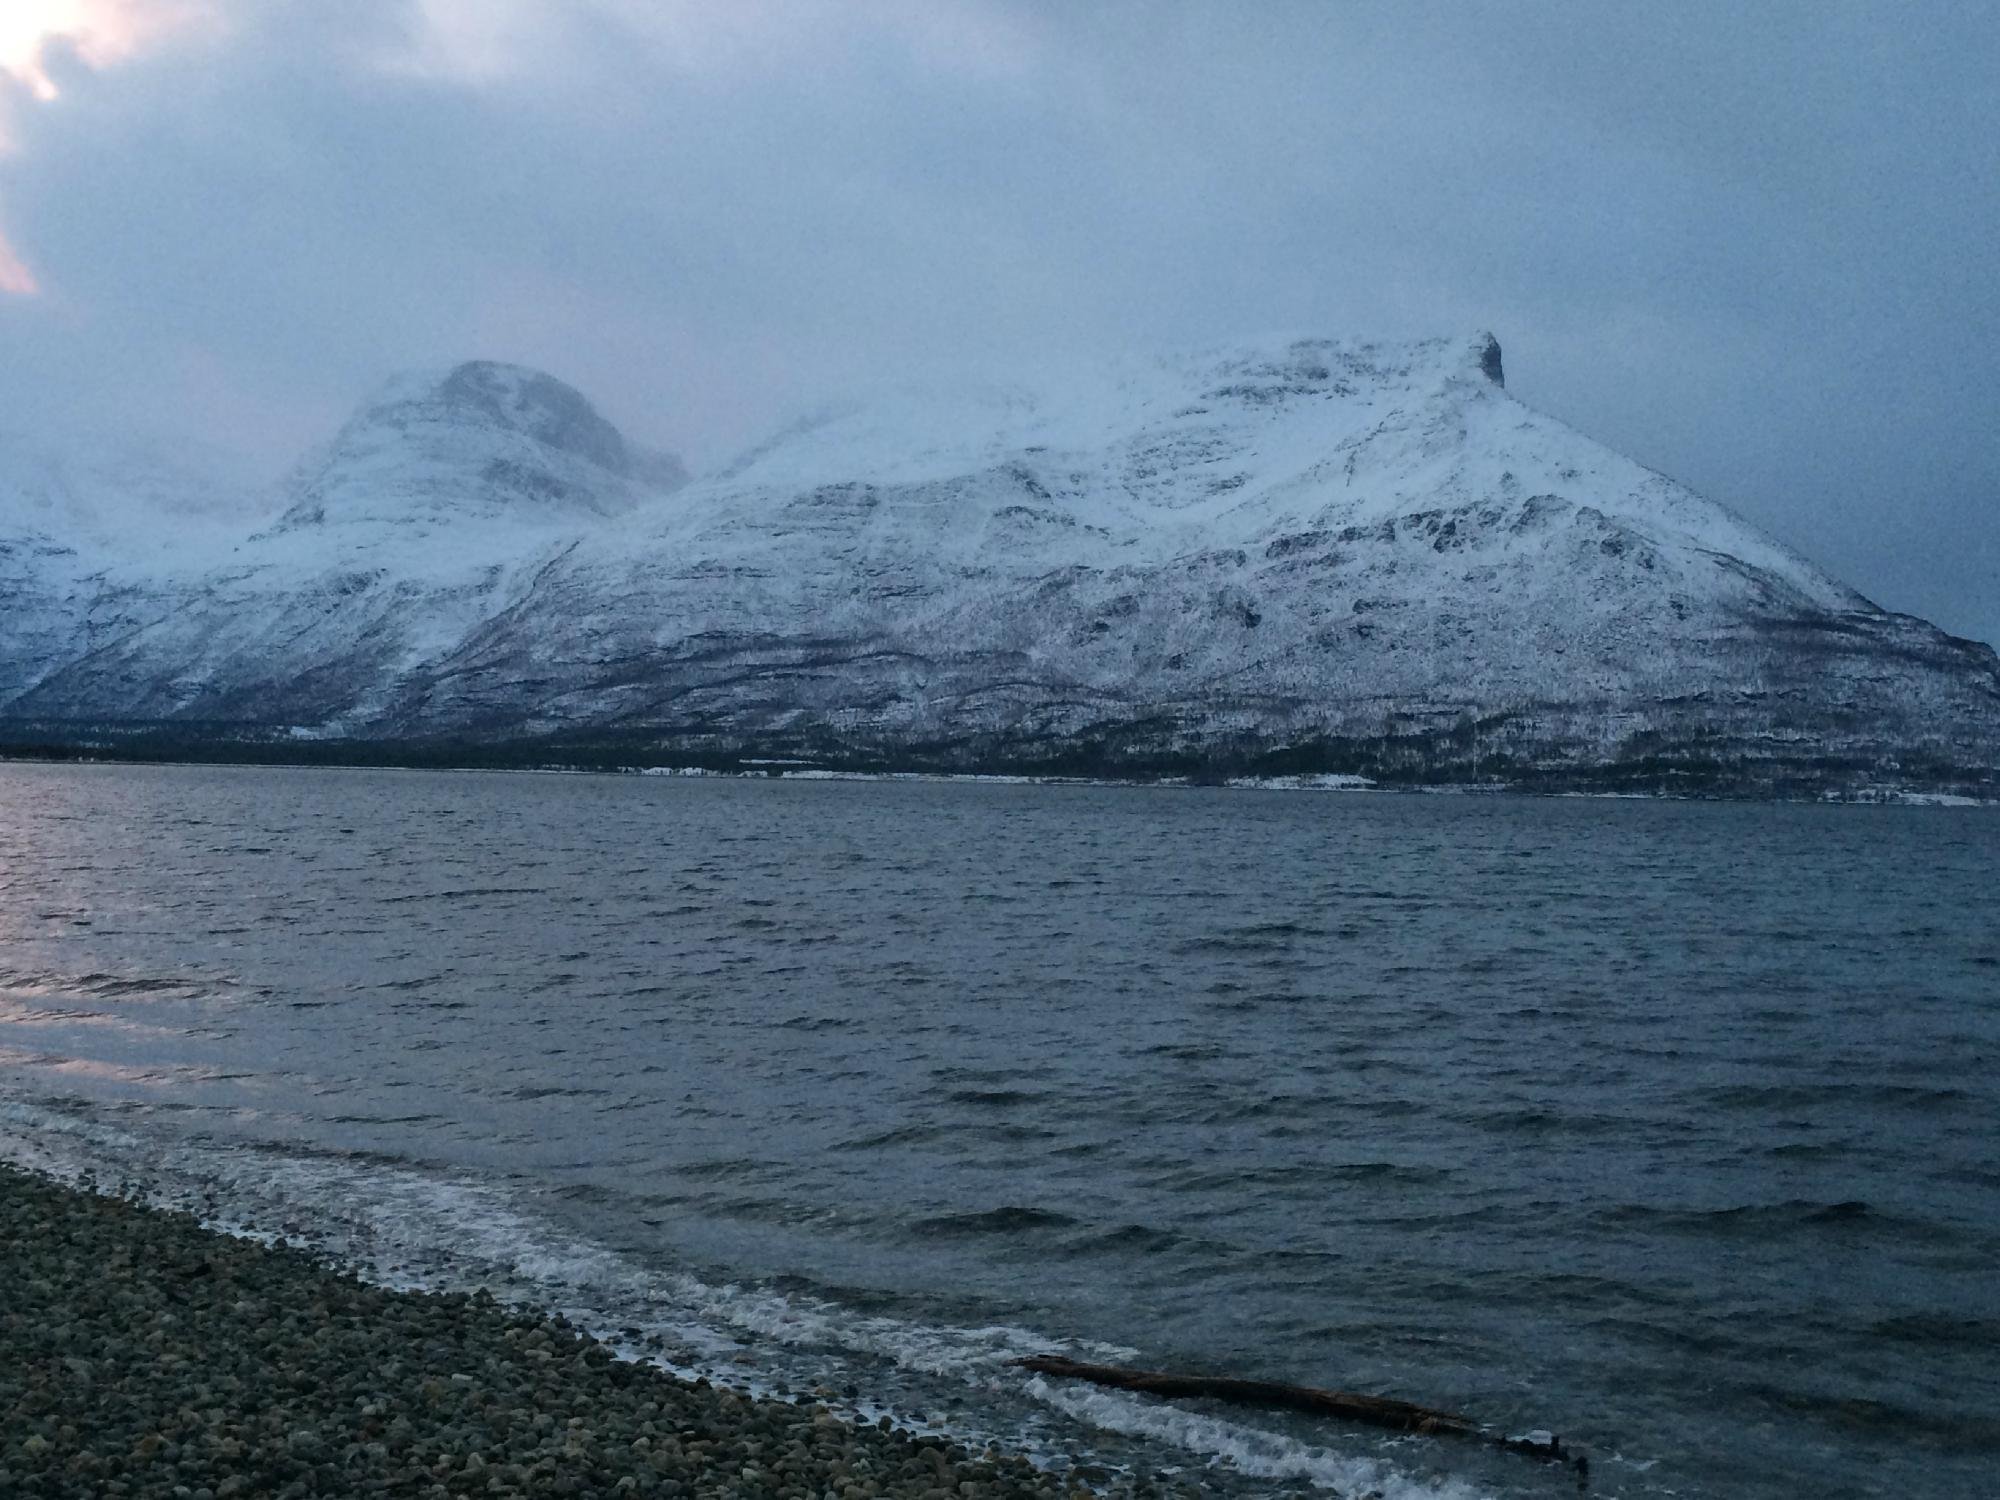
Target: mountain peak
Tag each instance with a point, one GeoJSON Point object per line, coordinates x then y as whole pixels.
{"type": "Point", "coordinates": [479, 438]}
{"type": "Point", "coordinates": [515, 398]}
{"type": "Point", "coordinates": [538, 404]}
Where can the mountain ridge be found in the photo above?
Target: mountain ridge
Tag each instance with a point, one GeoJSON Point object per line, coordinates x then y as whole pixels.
{"type": "Point", "coordinates": [1338, 555]}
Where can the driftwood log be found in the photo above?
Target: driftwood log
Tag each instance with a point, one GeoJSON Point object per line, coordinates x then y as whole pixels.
{"type": "Point", "coordinates": [1376, 1411]}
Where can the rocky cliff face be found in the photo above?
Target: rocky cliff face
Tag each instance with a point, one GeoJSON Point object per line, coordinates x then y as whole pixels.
{"type": "Point", "coordinates": [1319, 555]}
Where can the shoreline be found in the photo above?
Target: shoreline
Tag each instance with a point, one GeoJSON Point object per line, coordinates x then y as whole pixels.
{"type": "Point", "coordinates": [1322, 782]}
{"type": "Point", "coordinates": [143, 1354]}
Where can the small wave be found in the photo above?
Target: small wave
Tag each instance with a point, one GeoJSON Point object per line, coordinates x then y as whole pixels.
{"type": "Point", "coordinates": [1532, 1121]}
{"type": "Point", "coordinates": [1810, 1150]}
{"type": "Point", "coordinates": [107, 986]}
{"type": "Point", "coordinates": [1190, 1051]}
{"type": "Point", "coordinates": [816, 1023]}
{"type": "Point", "coordinates": [112, 986]}
{"type": "Point", "coordinates": [1246, 1450]}
{"type": "Point", "coordinates": [903, 1135]}
{"type": "Point", "coordinates": [995, 1098]}
{"type": "Point", "coordinates": [1984, 1177]}
{"type": "Point", "coordinates": [1010, 1219]}
{"type": "Point", "coordinates": [463, 893]}
{"type": "Point", "coordinates": [1309, 1174]}
{"type": "Point", "coordinates": [730, 1167]}
{"type": "Point", "coordinates": [1939, 1330]}
{"type": "Point", "coordinates": [585, 1192]}
{"type": "Point", "coordinates": [1699, 1340]}
{"type": "Point", "coordinates": [1755, 1219]}
{"type": "Point", "coordinates": [1836, 1095]}
{"type": "Point", "coordinates": [1940, 1428]}
{"type": "Point", "coordinates": [1387, 1171]}
{"type": "Point", "coordinates": [1127, 1239]}
{"type": "Point", "coordinates": [1259, 937]}
{"type": "Point", "coordinates": [1266, 998]}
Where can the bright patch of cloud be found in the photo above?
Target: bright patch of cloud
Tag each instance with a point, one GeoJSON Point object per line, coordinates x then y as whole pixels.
{"type": "Point", "coordinates": [16, 280]}
{"type": "Point", "coordinates": [491, 41]}
{"type": "Point", "coordinates": [24, 29]}
{"type": "Point", "coordinates": [37, 37]}
{"type": "Point", "coordinates": [98, 32]}
{"type": "Point", "coordinates": [476, 41]}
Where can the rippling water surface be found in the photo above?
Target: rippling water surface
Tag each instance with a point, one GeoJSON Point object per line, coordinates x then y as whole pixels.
{"type": "Point", "coordinates": [1670, 1127]}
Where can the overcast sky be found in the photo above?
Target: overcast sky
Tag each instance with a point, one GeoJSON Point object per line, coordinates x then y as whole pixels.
{"type": "Point", "coordinates": [1752, 246]}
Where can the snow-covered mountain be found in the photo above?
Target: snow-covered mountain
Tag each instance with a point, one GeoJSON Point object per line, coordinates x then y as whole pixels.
{"type": "Point", "coordinates": [1311, 555]}
{"type": "Point", "coordinates": [430, 510]}
{"type": "Point", "coordinates": [483, 442]}
{"type": "Point", "coordinates": [71, 512]}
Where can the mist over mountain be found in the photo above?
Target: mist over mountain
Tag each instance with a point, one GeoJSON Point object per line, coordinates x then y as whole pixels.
{"type": "Point", "coordinates": [1293, 556]}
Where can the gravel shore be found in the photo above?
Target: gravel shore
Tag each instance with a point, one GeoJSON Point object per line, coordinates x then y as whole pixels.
{"type": "Point", "coordinates": [142, 1355]}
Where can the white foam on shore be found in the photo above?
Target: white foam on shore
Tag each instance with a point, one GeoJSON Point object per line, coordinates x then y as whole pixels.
{"type": "Point", "coordinates": [1247, 1450]}
{"type": "Point", "coordinates": [412, 1230]}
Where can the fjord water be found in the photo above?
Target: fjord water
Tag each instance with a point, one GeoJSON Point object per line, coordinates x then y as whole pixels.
{"type": "Point", "coordinates": [1666, 1126]}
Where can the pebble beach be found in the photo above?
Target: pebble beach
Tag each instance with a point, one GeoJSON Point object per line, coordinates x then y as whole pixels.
{"type": "Point", "coordinates": [144, 1355]}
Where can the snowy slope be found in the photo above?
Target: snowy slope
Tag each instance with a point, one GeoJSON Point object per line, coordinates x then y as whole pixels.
{"type": "Point", "coordinates": [125, 499]}
{"type": "Point", "coordinates": [428, 512]}
{"type": "Point", "coordinates": [1313, 544]}
{"type": "Point", "coordinates": [1315, 539]}
{"type": "Point", "coordinates": [71, 516]}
